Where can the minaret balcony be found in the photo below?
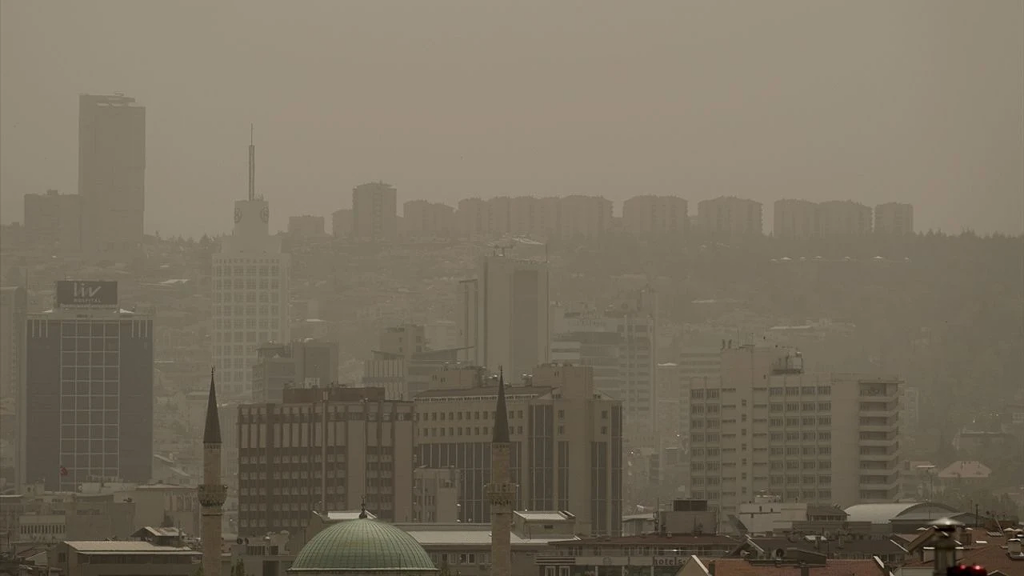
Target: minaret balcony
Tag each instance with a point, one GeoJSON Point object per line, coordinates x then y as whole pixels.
{"type": "Point", "coordinates": [212, 494]}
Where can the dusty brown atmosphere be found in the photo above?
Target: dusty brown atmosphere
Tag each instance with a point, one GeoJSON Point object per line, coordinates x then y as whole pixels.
{"type": "Point", "coordinates": [917, 101]}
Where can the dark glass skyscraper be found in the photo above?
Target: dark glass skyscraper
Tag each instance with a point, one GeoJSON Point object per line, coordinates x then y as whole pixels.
{"type": "Point", "coordinates": [88, 390]}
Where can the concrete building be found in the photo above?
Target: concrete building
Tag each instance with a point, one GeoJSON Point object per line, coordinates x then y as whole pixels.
{"type": "Point", "coordinates": [672, 411]}
{"type": "Point", "coordinates": [501, 491]}
{"type": "Point", "coordinates": [404, 363]}
{"type": "Point", "coordinates": [510, 314]}
{"type": "Point", "coordinates": [894, 218]}
{"type": "Point", "coordinates": [341, 223]}
{"type": "Point", "coordinates": [13, 313]}
{"type": "Point", "coordinates": [212, 493]}
{"type": "Point", "coordinates": [375, 212]}
{"type": "Point", "coordinates": [99, 558]}
{"type": "Point", "coordinates": [54, 220]}
{"type": "Point", "coordinates": [472, 218]}
{"type": "Point", "coordinates": [795, 219]}
{"type": "Point", "coordinates": [250, 293]}
{"type": "Point", "coordinates": [728, 216]}
{"type": "Point", "coordinates": [843, 218]}
{"type": "Point", "coordinates": [766, 427]}
{"type": "Point", "coordinates": [651, 214]}
{"type": "Point", "coordinates": [436, 495]}
{"type": "Point", "coordinates": [306, 227]}
{"type": "Point", "coordinates": [302, 364]}
{"type": "Point", "coordinates": [421, 218]}
{"type": "Point", "coordinates": [499, 214]}
{"type": "Point", "coordinates": [286, 470]}
{"type": "Point", "coordinates": [566, 445]}
{"type": "Point", "coordinates": [88, 395]}
{"type": "Point", "coordinates": [700, 362]}
{"type": "Point", "coordinates": [111, 173]}
{"type": "Point", "coordinates": [584, 216]}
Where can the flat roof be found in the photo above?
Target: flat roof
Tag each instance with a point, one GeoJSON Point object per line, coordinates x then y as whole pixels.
{"type": "Point", "coordinates": [126, 547]}
{"type": "Point", "coordinates": [475, 538]}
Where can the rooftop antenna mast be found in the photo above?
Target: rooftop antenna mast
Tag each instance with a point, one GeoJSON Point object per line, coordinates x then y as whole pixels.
{"type": "Point", "coordinates": [252, 165]}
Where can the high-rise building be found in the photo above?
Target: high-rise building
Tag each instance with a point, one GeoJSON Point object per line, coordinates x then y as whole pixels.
{"type": "Point", "coordinates": [511, 314]}
{"type": "Point", "coordinates": [421, 218]}
{"type": "Point", "coordinates": [13, 313]}
{"type": "Point", "coordinates": [375, 212]}
{"type": "Point", "coordinates": [436, 495]}
{"type": "Point", "coordinates": [88, 396]}
{"type": "Point", "coordinates": [618, 342]}
{"type": "Point", "coordinates": [111, 172]}
{"type": "Point", "coordinates": [795, 219]}
{"type": "Point", "coordinates": [306, 227]}
{"type": "Point", "coordinates": [302, 363]}
{"type": "Point", "coordinates": [250, 292]}
{"type": "Point", "coordinates": [655, 214]}
{"type": "Point", "coordinates": [403, 363]}
{"type": "Point", "coordinates": [894, 218]}
{"type": "Point", "coordinates": [843, 218]}
{"type": "Point", "coordinates": [472, 218]}
{"type": "Point", "coordinates": [730, 216]}
{"type": "Point", "coordinates": [565, 444]}
{"type": "Point", "coordinates": [212, 493]}
{"type": "Point", "coordinates": [584, 216]}
{"type": "Point", "coordinates": [766, 427]}
{"type": "Point", "coordinates": [341, 223]}
{"type": "Point", "coordinates": [323, 449]}
{"type": "Point", "coordinates": [54, 220]}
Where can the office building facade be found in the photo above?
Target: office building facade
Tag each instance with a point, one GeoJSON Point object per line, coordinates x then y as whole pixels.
{"type": "Point", "coordinates": [111, 172]}
{"type": "Point", "coordinates": [766, 427]}
{"type": "Point", "coordinates": [88, 395]}
{"type": "Point", "coordinates": [565, 444]}
{"type": "Point", "coordinates": [298, 364]}
{"type": "Point", "coordinates": [323, 449]}
{"type": "Point", "coordinates": [13, 314]}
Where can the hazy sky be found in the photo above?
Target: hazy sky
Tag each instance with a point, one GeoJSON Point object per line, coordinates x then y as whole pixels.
{"type": "Point", "coordinates": [915, 101]}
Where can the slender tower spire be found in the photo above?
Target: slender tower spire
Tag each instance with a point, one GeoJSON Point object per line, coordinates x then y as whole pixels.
{"type": "Point", "coordinates": [252, 164]}
{"type": "Point", "coordinates": [501, 490]}
{"type": "Point", "coordinates": [211, 492]}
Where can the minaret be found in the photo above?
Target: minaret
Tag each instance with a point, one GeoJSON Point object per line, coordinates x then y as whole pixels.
{"type": "Point", "coordinates": [501, 490]}
{"type": "Point", "coordinates": [211, 492]}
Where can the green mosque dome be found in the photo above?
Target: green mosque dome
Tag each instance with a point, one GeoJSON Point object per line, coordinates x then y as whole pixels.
{"type": "Point", "coordinates": [362, 545]}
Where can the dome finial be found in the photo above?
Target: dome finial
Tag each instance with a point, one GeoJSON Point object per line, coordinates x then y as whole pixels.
{"type": "Point", "coordinates": [362, 509]}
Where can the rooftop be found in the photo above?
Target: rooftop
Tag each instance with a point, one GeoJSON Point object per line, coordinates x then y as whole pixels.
{"type": "Point", "coordinates": [124, 547]}
{"type": "Point", "coordinates": [968, 469]}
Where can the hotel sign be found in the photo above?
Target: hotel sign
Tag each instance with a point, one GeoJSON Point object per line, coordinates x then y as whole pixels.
{"type": "Point", "coordinates": [87, 293]}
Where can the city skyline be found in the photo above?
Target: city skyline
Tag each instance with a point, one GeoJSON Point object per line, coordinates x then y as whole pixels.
{"type": "Point", "coordinates": [498, 135]}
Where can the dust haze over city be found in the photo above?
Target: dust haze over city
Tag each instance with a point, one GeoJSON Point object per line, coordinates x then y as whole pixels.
{"type": "Point", "coordinates": [548, 289]}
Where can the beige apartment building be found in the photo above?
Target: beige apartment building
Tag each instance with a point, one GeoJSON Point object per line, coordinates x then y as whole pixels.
{"type": "Point", "coordinates": [844, 218]}
{"type": "Point", "coordinates": [655, 214]}
{"type": "Point", "coordinates": [894, 218]}
{"type": "Point", "coordinates": [730, 216]}
{"type": "Point", "coordinates": [286, 469]}
{"type": "Point", "coordinates": [566, 444]}
{"type": "Point", "coordinates": [375, 212]}
{"type": "Point", "coordinates": [766, 427]}
{"type": "Point", "coordinates": [421, 218]}
{"type": "Point", "coordinates": [795, 219]}
{"type": "Point", "coordinates": [584, 216]}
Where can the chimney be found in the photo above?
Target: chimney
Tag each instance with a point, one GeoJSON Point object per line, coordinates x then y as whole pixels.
{"type": "Point", "coordinates": [711, 568]}
{"type": "Point", "coordinates": [1013, 547]}
{"type": "Point", "coordinates": [805, 570]}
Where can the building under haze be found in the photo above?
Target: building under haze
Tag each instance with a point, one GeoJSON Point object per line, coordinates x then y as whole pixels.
{"type": "Point", "coordinates": [301, 363]}
{"type": "Point", "coordinates": [655, 214]}
{"type": "Point", "coordinates": [375, 212]}
{"type": "Point", "coordinates": [421, 218]}
{"type": "Point", "coordinates": [766, 427]}
{"type": "Point", "coordinates": [88, 396]}
{"type": "Point", "coordinates": [13, 312]}
{"type": "Point", "coordinates": [111, 173]}
{"type": "Point", "coordinates": [286, 472]}
{"type": "Point", "coordinates": [894, 218]}
{"type": "Point", "coordinates": [728, 216]}
{"type": "Point", "coordinates": [843, 218]}
{"type": "Point", "coordinates": [566, 443]}
{"type": "Point", "coordinates": [795, 219]}
{"type": "Point", "coordinates": [53, 220]}
{"type": "Point", "coordinates": [250, 293]}
{"type": "Point", "coordinates": [503, 314]}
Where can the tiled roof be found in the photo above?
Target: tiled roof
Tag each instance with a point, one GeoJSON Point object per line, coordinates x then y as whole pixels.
{"type": "Point", "coordinates": [992, 555]}
{"type": "Point", "coordinates": [971, 469]}
{"type": "Point", "coordinates": [124, 547]}
{"type": "Point", "coordinates": [652, 540]}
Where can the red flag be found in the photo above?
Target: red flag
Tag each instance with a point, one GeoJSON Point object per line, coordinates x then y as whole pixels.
{"type": "Point", "coordinates": [63, 471]}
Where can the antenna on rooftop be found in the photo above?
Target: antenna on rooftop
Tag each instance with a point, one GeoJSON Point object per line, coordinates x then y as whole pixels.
{"type": "Point", "coordinates": [252, 164]}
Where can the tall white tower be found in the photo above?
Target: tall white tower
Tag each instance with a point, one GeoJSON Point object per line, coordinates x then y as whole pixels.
{"type": "Point", "coordinates": [250, 292]}
{"type": "Point", "coordinates": [211, 492]}
{"type": "Point", "coordinates": [501, 490]}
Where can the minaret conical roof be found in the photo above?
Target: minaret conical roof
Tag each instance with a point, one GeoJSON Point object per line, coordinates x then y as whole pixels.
{"type": "Point", "coordinates": [211, 435]}
{"type": "Point", "coordinates": [501, 413]}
